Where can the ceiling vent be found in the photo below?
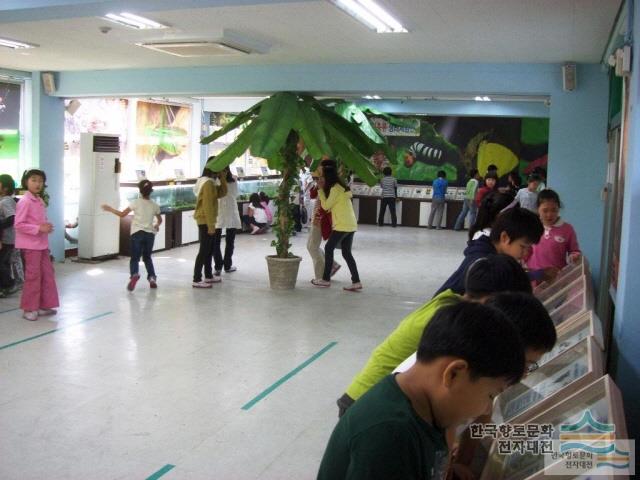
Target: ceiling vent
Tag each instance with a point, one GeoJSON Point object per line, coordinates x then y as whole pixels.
{"type": "Point", "coordinates": [196, 49]}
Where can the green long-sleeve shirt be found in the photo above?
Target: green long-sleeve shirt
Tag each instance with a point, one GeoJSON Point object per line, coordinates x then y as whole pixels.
{"type": "Point", "coordinates": [401, 343]}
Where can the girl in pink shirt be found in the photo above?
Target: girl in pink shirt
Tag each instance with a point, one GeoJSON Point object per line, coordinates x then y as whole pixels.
{"type": "Point", "coordinates": [559, 241]}
{"type": "Point", "coordinates": [39, 293]}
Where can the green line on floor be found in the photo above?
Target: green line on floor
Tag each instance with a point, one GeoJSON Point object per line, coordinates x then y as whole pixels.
{"type": "Point", "coordinates": [293, 372]}
{"type": "Point", "coordinates": [161, 472]}
{"type": "Point", "coordinates": [95, 317]}
{"type": "Point", "coordinates": [10, 310]}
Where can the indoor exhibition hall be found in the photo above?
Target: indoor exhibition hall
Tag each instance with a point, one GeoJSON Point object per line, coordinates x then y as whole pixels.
{"type": "Point", "coordinates": [319, 239]}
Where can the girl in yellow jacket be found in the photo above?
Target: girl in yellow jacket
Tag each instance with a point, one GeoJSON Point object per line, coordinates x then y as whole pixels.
{"type": "Point", "coordinates": [208, 189]}
{"type": "Point", "coordinates": [335, 197]}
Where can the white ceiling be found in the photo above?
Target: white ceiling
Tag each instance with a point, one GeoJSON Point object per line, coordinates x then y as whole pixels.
{"type": "Point", "coordinates": [316, 32]}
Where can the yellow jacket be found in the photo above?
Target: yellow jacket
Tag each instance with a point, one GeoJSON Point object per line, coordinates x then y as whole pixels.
{"type": "Point", "coordinates": [339, 204]}
{"type": "Point", "coordinates": [207, 204]}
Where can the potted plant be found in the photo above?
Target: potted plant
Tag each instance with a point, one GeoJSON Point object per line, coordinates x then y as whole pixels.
{"type": "Point", "coordinates": [280, 129]}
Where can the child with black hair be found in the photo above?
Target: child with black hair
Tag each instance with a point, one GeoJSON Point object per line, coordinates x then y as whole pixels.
{"type": "Point", "coordinates": [490, 185]}
{"type": "Point", "coordinates": [389, 196]}
{"type": "Point", "coordinates": [469, 206]}
{"type": "Point", "coordinates": [513, 233]}
{"type": "Point", "coordinates": [438, 199]}
{"type": "Point", "coordinates": [467, 355]}
{"type": "Point", "coordinates": [488, 275]}
{"type": "Point", "coordinates": [39, 293]}
{"type": "Point", "coordinates": [256, 217]}
{"type": "Point", "coordinates": [528, 197]}
{"type": "Point", "coordinates": [228, 219]}
{"type": "Point", "coordinates": [538, 334]}
{"type": "Point", "coordinates": [8, 238]}
{"type": "Point", "coordinates": [559, 243]}
{"type": "Point", "coordinates": [142, 232]}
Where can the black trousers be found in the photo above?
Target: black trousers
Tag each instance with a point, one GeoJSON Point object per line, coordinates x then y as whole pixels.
{"type": "Point", "coordinates": [229, 243]}
{"type": "Point", "coordinates": [391, 202]}
{"type": "Point", "coordinates": [252, 221]}
{"type": "Point", "coordinates": [297, 217]}
{"type": "Point", "coordinates": [205, 254]}
{"type": "Point", "coordinates": [6, 279]}
{"type": "Point", "coordinates": [346, 241]}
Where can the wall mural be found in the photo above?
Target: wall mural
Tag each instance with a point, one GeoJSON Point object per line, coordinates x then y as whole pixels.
{"type": "Point", "coordinates": [163, 139]}
{"type": "Point", "coordinates": [423, 145]}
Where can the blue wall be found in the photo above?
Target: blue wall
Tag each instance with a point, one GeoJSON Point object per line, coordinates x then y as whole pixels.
{"type": "Point", "coordinates": [578, 119]}
{"type": "Point", "coordinates": [48, 153]}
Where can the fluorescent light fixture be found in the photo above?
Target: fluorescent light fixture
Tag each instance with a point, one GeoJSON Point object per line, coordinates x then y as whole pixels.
{"type": "Point", "coordinates": [372, 97]}
{"type": "Point", "coordinates": [370, 14]}
{"type": "Point", "coordinates": [483, 98]}
{"type": "Point", "coordinates": [133, 21]}
{"type": "Point", "coordinates": [377, 97]}
{"type": "Point", "coordinates": [6, 42]}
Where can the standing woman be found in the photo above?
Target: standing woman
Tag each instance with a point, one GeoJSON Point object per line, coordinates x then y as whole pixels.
{"type": "Point", "coordinates": [335, 197]}
{"type": "Point", "coordinates": [208, 189]}
{"type": "Point", "coordinates": [229, 219]}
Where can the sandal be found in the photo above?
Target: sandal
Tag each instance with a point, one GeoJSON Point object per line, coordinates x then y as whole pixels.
{"type": "Point", "coordinates": [318, 282]}
{"type": "Point", "coordinates": [354, 287]}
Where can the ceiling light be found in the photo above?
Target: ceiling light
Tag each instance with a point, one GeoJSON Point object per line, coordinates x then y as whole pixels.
{"type": "Point", "coordinates": [6, 42]}
{"type": "Point", "coordinates": [134, 21]}
{"type": "Point", "coordinates": [486, 99]}
{"type": "Point", "coordinates": [483, 98]}
{"type": "Point", "coordinates": [371, 14]}
{"type": "Point", "coordinates": [377, 97]}
{"type": "Point", "coordinates": [196, 48]}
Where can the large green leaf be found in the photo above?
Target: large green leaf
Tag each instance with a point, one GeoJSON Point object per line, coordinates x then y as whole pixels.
{"type": "Point", "coordinates": [239, 120]}
{"type": "Point", "coordinates": [234, 150]}
{"type": "Point", "coordinates": [352, 157]}
{"type": "Point", "coordinates": [276, 162]}
{"type": "Point", "coordinates": [350, 132]}
{"type": "Point", "coordinates": [309, 125]}
{"type": "Point", "coordinates": [276, 119]}
{"type": "Point", "coordinates": [354, 114]}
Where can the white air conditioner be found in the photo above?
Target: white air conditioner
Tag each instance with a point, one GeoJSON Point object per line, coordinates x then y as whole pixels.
{"type": "Point", "coordinates": [98, 231]}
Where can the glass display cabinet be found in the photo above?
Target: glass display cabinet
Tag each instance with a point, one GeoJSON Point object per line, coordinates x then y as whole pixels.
{"type": "Point", "coordinates": [567, 275]}
{"type": "Point", "coordinates": [569, 371]}
{"type": "Point", "coordinates": [248, 186]}
{"type": "Point", "coordinates": [594, 412]}
{"type": "Point", "coordinates": [169, 197]}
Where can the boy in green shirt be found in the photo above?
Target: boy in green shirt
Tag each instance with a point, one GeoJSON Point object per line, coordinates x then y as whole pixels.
{"type": "Point", "coordinates": [494, 273]}
{"type": "Point", "coordinates": [467, 355]}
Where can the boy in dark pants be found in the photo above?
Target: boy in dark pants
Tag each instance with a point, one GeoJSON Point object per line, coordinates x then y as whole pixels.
{"type": "Point", "coordinates": [468, 354]}
{"type": "Point", "coordinates": [389, 196]}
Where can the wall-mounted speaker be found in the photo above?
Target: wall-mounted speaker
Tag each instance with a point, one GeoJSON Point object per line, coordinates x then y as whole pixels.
{"type": "Point", "coordinates": [569, 77]}
{"type": "Point", "coordinates": [49, 82]}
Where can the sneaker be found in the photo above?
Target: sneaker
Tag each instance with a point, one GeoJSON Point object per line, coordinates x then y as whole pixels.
{"type": "Point", "coordinates": [213, 280]}
{"type": "Point", "coordinates": [319, 282]}
{"type": "Point", "coordinates": [230, 269]}
{"type": "Point", "coordinates": [201, 284]}
{"type": "Point", "coordinates": [152, 282]}
{"type": "Point", "coordinates": [132, 282]}
{"type": "Point", "coordinates": [31, 316]}
{"type": "Point", "coordinates": [354, 287]}
{"type": "Point", "coordinates": [254, 230]}
{"type": "Point", "coordinates": [217, 272]}
{"type": "Point", "coordinates": [335, 268]}
{"type": "Point", "coordinates": [45, 312]}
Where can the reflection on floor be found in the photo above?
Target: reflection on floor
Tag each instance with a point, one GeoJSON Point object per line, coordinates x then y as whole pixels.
{"type": "Point", "coordinates": [122, 385]}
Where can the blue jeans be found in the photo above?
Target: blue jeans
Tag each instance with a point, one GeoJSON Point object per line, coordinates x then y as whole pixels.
{"type": "Point", "coordinates": [470, 207]}
{"type": "Point", "coordinates": [142, 246]}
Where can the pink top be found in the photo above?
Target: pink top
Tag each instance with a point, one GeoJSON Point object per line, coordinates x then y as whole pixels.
{"type": "Point", "coordinates": [267, 210]}
{"type": "Point", "coordinates": [554, 246]}
{"type": "Point", "coordinates": [30, 214]}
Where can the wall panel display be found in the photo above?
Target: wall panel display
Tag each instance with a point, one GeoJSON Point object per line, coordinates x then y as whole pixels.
{"type": "Point", "coordinates": [427, 144]}
{"type": "Point", "coordinates": [163, 140]}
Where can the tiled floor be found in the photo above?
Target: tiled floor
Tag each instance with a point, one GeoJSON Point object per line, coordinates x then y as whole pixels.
{"type": "Point", "coordinates": [131, 382]}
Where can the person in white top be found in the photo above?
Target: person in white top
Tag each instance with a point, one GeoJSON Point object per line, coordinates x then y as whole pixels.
{"type": "Point", "coordinates": [228, 219]}
{"type": "Point", "coordinates": [256, 218]}
{"type": "Point", "coordinates": [142, 232]}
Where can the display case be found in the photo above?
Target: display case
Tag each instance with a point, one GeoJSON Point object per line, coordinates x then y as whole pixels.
{"type": "Point", "coordinates": [564, 277]}
{"type": "Point", "coordinates": [569, 371]}
{"type": "Point", "coordinates": [584, 326]}
{"type": "Point", "coordinates": [565, 292]}
{"type": "Point", "coordinates": [170, 197]}
{"type": "Point", "coordinates": [268, 185]}
{"type": "Point", "coordinates": [593, 412]}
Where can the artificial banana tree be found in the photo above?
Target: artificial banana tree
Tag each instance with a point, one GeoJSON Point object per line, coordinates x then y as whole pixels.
{"type": "Point", "coordinates": [283, 126]}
